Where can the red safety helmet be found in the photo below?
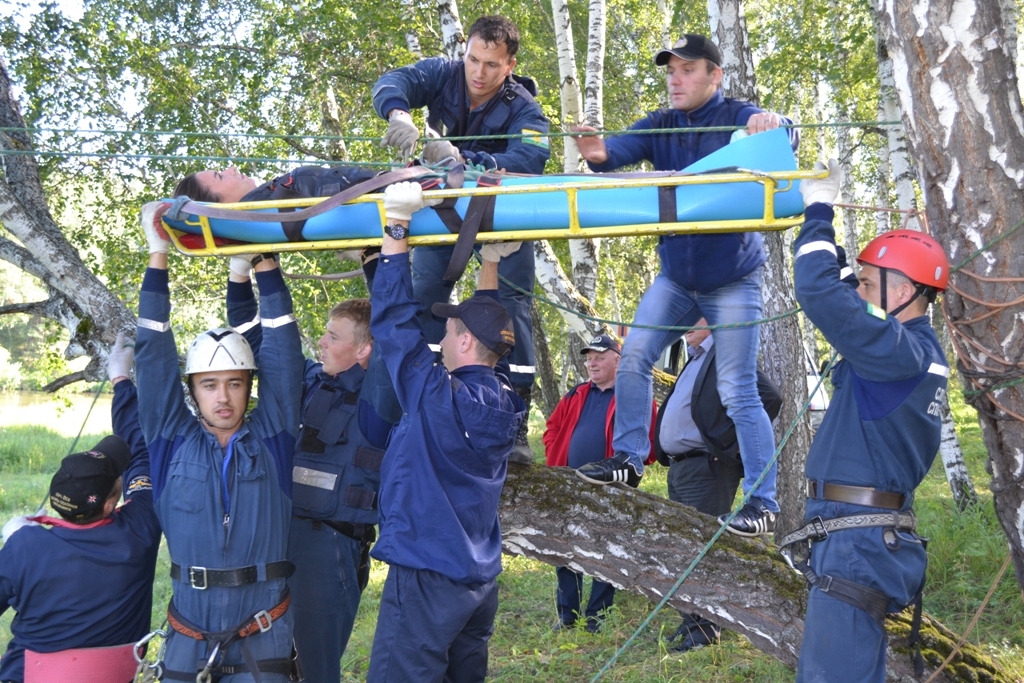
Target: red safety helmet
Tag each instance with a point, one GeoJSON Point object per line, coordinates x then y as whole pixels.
{"type": "Point", "coordinates": [915, 254]}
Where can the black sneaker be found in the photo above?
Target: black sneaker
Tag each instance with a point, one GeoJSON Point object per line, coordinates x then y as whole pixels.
{"type": "Point", "coordinates": [614, 469]}
{"type": "Point", "coordinates": [754, 519]}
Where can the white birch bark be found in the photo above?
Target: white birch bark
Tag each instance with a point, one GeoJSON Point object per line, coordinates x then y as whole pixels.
{"type": "Point", "coordinates": [729, 31]}
{"type": "Point", "coordinates": [557, 287]}
{"type": "Point", "coordinates": [665, 14]}
{"type": "Point", "coordinates": [955, 74]}
{"type": "Point", "coordinates": [899, 157]}
{"type": "Point", "coordinates": [568, 81]}
{"type": "Point", "coordinates": [412, 39]}
{"type": "Point", "coordinates": [593, 103]}
{"type": "Point", "coordinates": [453, 41]}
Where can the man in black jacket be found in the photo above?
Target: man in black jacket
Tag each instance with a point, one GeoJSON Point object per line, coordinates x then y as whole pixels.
{"type": "Point", "coordinates": [696, 440]}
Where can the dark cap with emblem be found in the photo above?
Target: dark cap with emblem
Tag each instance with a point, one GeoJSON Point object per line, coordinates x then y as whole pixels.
{"type": "Point", "coordinates": [691, 47]}
{"type": "Point", "coordinates": [80, 487]}
{"type": "Point", "coordinates": [485, 318]}
{"type": "Point", "coordinates": [601, 344]}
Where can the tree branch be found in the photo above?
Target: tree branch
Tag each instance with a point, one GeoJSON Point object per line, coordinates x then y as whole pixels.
{"type": "Point", "coordinates": [33, 308]}
{"type": "Point", "coordinates": [65, 380]}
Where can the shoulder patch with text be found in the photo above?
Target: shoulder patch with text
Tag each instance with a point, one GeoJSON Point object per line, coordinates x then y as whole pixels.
{"type": "Point", "coordinates": [139, 484]}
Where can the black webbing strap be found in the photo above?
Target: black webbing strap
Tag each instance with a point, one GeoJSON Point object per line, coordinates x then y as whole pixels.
{"type": "Point", "coordinates": [368, 458]}
{"type": "Point", "coordinates": [479, 218]}
{"type": "Point", "coordinates": [284, 666]}
{"type": "Point", "coordinates": [446, 209]}
{"type": "Point", "coordinates": [667, 212]}
{"type": "Point", "coordinates": [355, 497]}
{"type": "Point", "coordinates": [292, 229]}
{"type": "Point", "coordinates": [347, 195]}
{"type": "Point", "coordinates": [914, 639]}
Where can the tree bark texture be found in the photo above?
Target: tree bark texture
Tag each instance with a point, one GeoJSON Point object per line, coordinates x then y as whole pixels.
{"type": "Point", "coordinates": [953, 65]}
{"type": "Point", "coordinates": [898, 159]}
{"type": "Point", "coordinates": [557, 287]}
{"type": "Point", "coordinates": [453, 40]}
{"type": "Point", "coordinates": [729, 28]}
{"type": "Point", "coordinates": [86, 308]}
{"type": "Point", "coordinates": [568, 82]}
{"type": "Point", "coordinates": [643, 543]}
{"type": "Point", "coordinates": [550, 390]}
{"type": "Point", "coordinates": [593, 101]}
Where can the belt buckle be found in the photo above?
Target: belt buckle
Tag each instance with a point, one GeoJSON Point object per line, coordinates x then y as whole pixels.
{"type": "Point", "coordinates": [263, 620]}
{"type": "Point", "coordinates": [818, 531]}
{"type": "Point", "coordinates": [825, 584]}
{"type": "Point", "coordinates": [810, 489]}
{"type": "Point", "coordinates": [198, 572]}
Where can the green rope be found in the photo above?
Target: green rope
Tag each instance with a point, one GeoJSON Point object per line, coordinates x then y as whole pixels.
{"type": "Point", "coordinates": [707, 547]}
{"type": "Point", "coordinates": [462, 138]}
{"type": "Point", "coordinates": [191, 157]}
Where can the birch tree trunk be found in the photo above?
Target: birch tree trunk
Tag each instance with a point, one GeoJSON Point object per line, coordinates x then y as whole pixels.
{"type": "Point", "coordinates": [77, 300]}
{"type": "Point", "coordinates": [412, 39]}
{"type": "Point", "coordinates": [665, 12]}
{"type": "Point", "coordinates": [899, 159]}
{"type": "Point", "coordinates": [568, 81]}
{"type": "Point", "coordinates": [781, 346]}
{"type": "Point", "coordinates": [453, 41]}
{"type": "Point", "coordinates": [550, 390]}
{"type": "Point", "coordinates": [557, 287]}
{"type": "Point", "coordinates": [643, 543]}
{"type": "Point", "coordinates": [953, 62]}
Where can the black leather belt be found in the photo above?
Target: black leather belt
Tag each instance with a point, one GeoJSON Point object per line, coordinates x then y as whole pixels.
{"type": "Point", "coordinates": [678, 457]}
{"type": "Point", "coordinates": [365, 533]}
{"type": "Point", "coordinates": [202, 578]}
{"type": "Point", "coordinates": [857, 495]}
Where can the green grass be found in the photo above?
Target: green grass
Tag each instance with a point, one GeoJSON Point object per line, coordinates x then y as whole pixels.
{"type": "Point", "coordinates": [965, 552]}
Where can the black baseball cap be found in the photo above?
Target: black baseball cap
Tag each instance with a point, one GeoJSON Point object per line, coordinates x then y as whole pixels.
{"type": "Point", "coordinates": [601, 344]}
{"type": "Point", "coordinates": [84, 480]}
{"type": "Point", "coordinates": [691, 47]}
{"type": "Point", "coordinates": [485, 318]}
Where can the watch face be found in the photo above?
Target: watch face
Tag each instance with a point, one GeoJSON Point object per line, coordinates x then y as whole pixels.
{"type": "Point", "coordinates": [397, 232]}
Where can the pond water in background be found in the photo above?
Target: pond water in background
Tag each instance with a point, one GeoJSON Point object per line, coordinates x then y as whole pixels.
{"type": "Point", "coordinates": [35, 408]}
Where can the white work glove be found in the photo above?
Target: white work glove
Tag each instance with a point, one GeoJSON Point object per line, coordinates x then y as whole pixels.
{"type": "Point", "coordinates": [241, 264]}
{"type": "Point", "coordinates": [495, 251]}
{"type": "Point", "coordinates": [157, 238]}
{"type": "Point", "coordinates": [825, 190]}
{"type": "Point", "coordinates": [402, 133]}
{"type": "Point", "coordinates": [15, 523]}
{"type": "Point", "coordinates": [402, 200]}
{"type": "Point", "coordinates": [436, 151]}
{"type": "Point", "coordinates": [121, 357]}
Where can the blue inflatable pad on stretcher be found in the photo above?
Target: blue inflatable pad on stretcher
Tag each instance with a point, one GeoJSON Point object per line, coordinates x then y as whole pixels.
{"type": "Point", "coordinates": [766, 152]}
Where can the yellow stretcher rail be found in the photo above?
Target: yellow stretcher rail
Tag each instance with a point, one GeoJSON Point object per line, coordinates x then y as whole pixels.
{"type": "Point", "coordinates": [776, 181]}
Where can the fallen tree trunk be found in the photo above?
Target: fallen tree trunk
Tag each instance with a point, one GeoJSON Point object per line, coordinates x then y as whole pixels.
{"type": "Point", "coordinates": [643, 543]}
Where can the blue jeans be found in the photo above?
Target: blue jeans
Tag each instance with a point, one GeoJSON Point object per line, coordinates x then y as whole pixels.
{"type": "Point", "coordinates": [428, 287]}
{"type": "Point", "coordinates": [325, 596]}
{"type": "Point", "coordinates": [667, 304]}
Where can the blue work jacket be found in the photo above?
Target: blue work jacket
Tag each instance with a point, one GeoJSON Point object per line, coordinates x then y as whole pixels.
{"type": "Point", "coordinates": [699, 262]}
{"type": "Point", "coordinates": [222, 507]}
{"type": "Point", "coordinates": [883, 425]}
{"type": "Point", "coordinates": [78, 586]}
{"type": "Point", "coordinates": [440, 84]}
{"type": "Point", "coordinates": [445, 465]}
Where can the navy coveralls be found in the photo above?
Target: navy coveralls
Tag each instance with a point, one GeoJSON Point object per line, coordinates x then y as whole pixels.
{"type": "Point", "coordinates": [78, 586]}
{"type": "Point", "coordinates": [335, 478]}
{"type": "Point", "coordinates": [440, 84]}
{"type": "Point", "coordinates": [223, 508]}
{"type": "Point", "coordinates": [881, 431]}
{"type": "Point", "coordinates": [440, 485]}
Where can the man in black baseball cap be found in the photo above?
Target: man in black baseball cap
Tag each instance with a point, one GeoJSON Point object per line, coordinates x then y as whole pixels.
{"type": "Point", "coordinates": [691, 47]}
{"type": "Point", "coordinates": [89, 483]}
{"type": "Point", "coordinates": [602, 343]}
{"type": "Point", "coordinates": [486, 319]}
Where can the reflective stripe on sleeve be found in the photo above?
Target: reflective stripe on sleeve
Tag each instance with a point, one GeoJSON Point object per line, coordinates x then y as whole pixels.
{"type": "Point", "coordinates": [523, 369]}
{"type": "Point", "coordinates": [154, 325]}
{"type": "Point", "coordinates": [820, 245]}
{"type": "Point", "coordinates": [245, 327]}
{"type": "Point", "coordinates": [279, 321]}
{"type": "Point", "coordinates": [937, 369]}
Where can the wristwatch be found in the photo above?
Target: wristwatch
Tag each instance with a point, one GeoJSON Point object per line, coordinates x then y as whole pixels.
{"type": "Point", "coordinates": [396, 232]}
{"type": "Point", "coordinates": [259, 258]}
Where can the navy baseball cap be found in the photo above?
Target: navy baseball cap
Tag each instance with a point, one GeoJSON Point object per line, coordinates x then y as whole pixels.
{"type": "Point", "coordinates": [601, 344]}
{"type": "Point", "coordinates": [691, 47]}
{"type": "Point", "coordinates": [485, 318]}
{"type": "Point", "coordinates": [84, 480]}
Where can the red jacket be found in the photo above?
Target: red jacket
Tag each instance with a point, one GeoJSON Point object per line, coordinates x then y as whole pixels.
{"type": "Point", "coordinates": [563, 421]}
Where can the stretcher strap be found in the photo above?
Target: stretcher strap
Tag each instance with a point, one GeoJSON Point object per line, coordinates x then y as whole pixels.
{"type": "Point", "coordinates": [354, 192]}
{"type": "Point", "coordinates": [479, 218]}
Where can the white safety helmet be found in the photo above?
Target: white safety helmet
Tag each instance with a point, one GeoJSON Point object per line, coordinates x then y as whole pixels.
{"type": "Point", "coordinates": [219, 349]}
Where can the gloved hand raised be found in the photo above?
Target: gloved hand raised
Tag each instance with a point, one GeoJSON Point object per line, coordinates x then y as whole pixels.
{"type": "Point", "coordinates": [402, 200]}
{"type": "Point", "coordinates": [156, 237]}
{"type": "Point", "coordinates": [495, 251]}
{"type": "Point", "coordinates": [824, 190]}
{"type": "Point", "coordinates": [121, 357]}
{"type": "Point", "coordinates": [402, 132]}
